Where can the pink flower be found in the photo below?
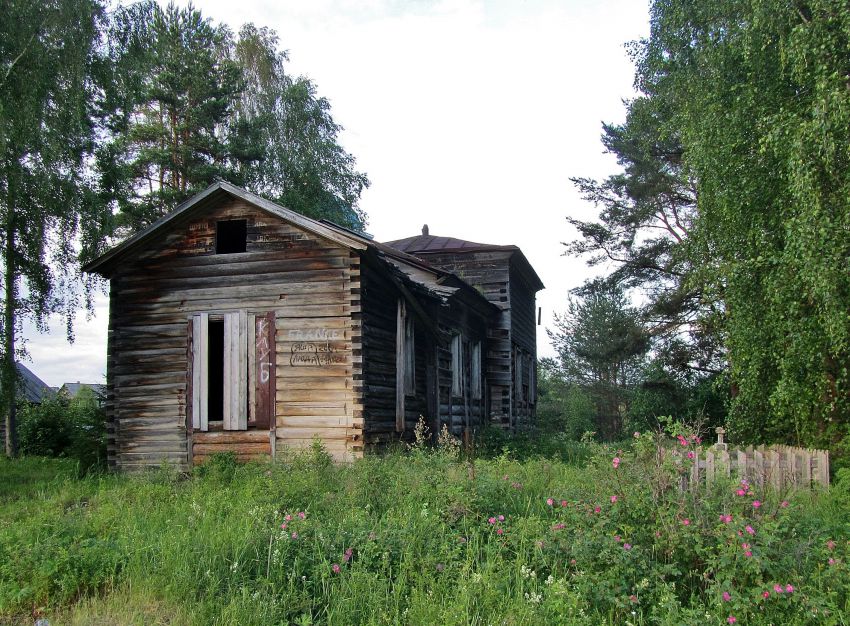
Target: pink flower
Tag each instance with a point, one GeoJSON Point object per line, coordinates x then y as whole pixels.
{"type": "Point", "coordinates": [500, 532]}
{"type": "Point", "coordinates": [559, 526]}
{"type": "Point", "coordinates": [741, 492]}
{"type": "Point", "coordinates": [288, 518]}
{"type": "Point", "coordinates": [335, 568]}
{"type": "Point", "coordinates": [727, 596]}
{"type": "Point", "coordinates": [295, 535]}
{"type": "Point", "coordinates": [682, 440]}
{"type": "Point", "coordinates": [830, 544]}
{"type": "Point", "coordinates": [613, 499]}
{"type": "Point", "coordinates": [347, 556]}
{"type": "Point", "coordinates": [283, 526]}
{"type": "Point", "coordinates": [745, 546]}
{"type": "Point", "coordinates": [691, 454]}
{"type": "Point", "coordinates": [302, 514]}
{"type": "Point", "coordinates": [686, 522]}
{"type": "Point", "coordinates": [572, 561]}
{"type": "Point", "coordinates": [789, 588]}
{"type": "Point", "coordinates": [563, 503]}
{"type": "Point", "coordinates": [750, 530]}
{"type": "Point", "coordinates": [784, 504]}
{"type": "Point", "coordinates": [765, 594]}
{"type": "Point", "coordinates": [748, 554]}
{"type": "Point", "coordinates": [731, 619]}
{"type": "Point", "coordinates": [756, 504]}
{"type": "Point", "coordinates": [697, 440]}
{"type": "Point", "coordinates": [616, 462]}
{"type": "Point", "coordinates": [617, 538]}
{"type": "Point", "coordinates": [831, 561]}
{"type": "Point", "coordinates": [492, 520]}
{"type": "Point", "coordinates": [725, 518]}
{"type": "Point", "coordinates": [550, 501]}
{"type": "Point", "coordinates": [636, 435]}
{"type": "Point", "coordinates": [633, 599]}
{"type": "Point", "coordinates": [627, 546]}
{"type": "Point", "coordinates": [778, 588]}
{"type": "Point", "coordinates": [501, 518]}
{"type": "Point", "coordinates": [597, 509]}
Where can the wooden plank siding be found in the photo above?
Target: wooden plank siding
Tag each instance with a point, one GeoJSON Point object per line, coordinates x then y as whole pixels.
{"type": "Point", "coordinates": [309, 284]}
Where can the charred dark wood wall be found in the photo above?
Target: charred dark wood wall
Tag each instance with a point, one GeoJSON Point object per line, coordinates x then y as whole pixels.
{"type": "Point", "coordinates": [311, 285]}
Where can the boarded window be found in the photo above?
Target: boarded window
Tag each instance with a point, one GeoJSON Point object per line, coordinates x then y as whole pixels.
{"type": "Point", "coordinates": [457, 365]}
{"type": "Point", "coordinates": [232, 362]}
{"type": "Point", "coordinates": [475, 370]}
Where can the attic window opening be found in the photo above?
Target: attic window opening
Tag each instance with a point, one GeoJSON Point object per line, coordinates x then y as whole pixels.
{"type": "Point", "coordinates": [231, 236]}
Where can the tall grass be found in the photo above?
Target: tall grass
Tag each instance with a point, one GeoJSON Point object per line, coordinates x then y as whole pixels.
{"type": "Point", "coordinates": [410, 538]}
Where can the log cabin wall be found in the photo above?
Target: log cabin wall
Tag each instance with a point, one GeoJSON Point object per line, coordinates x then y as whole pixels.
{"type": "Point", "coordinates": [523, 346]}
{"type": "Point", "coordinates": [489, 272]}
{"type": "Point", "coordinates": [308, 285]}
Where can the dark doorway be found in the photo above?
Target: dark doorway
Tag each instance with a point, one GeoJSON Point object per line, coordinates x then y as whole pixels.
{"type": "Point", "coordinates": [215, 367]}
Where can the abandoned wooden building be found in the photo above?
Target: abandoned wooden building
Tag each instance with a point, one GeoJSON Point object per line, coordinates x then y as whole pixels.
{"type": "Point", "coordinates": [238, 325]}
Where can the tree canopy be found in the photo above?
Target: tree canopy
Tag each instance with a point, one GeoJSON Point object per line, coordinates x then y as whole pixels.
{"type": "Point", "coordinates": [754, 97]}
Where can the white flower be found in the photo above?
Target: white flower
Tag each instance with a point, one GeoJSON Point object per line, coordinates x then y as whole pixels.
{"type": "Point", "coordinates": [550, 579]}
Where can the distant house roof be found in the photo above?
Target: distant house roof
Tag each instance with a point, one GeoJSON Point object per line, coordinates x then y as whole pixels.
{"type": "Point", "coordinates": [72, 389]}
{"type": "Point", "coordinates": [32, 388]}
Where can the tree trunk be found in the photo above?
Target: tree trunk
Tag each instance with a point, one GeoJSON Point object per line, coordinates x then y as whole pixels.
{"type": "Point", "coordinates": [9, 372]}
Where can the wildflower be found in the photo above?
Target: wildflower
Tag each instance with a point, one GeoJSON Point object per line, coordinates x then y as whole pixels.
{"type": "Point", "coordinates": [283, 526]}
{"type": "Point", "coordinates": [501, 518]}
{"type": "Point", "coordinates": [335, 568]}
{"type": "Point", "coordinates": [765, 594]}
{"type": "Point", "coordinates": [784, 504]}
{"type": "Point", "coordinates": [295, 535]}
{"type": "Point", "coordinates": [830, 544]}
{"type": "Point", "coordinates": [597, 509]}
{"type": "Point", "coordinates": [613, 499]}
{"type": "Point", "coordinates": [288, 517]}
{"type": "Point", "coordinates": [636, 435]}
{"type": "Point", "coordinates": [616, 462]}
{"type": "Point", "coordinates": [725, 518]}
{"type": "Point", "coordinates": [550, 501]}
{"type": "Point", "coordinates": [745, 546]}
{"type": "Point", "coordinates": [500, 532]}
{"type": "Point", "coordinates": [491, 520]}
{"type": "Point", "coordinates": [748, 554]}
{"type": "Point", "coordinates": [740, 492]}
{"type": "Point", "coordinates": [347, 556]}
{"type": "Point", "coordinates": [617, 538]}
{"type": "Point", "coordinates": [516, 485]}
{"type": "Point", "coordinates": [697, 440]}
{"type": "Point", "coordinates": [731, 619]}
{"type": "Point", "coordinates": [727, 596]}
{"type": "Point", "coordinates": [302, 514]}
{"type": "Point", "coordinates": [789, 588]}
{"type": "Point", "coordinates": [563, 503]}
{"type": "Point", "coordinates": [831, 561]}
{"type": "Point", "coordinates": [559, 526]}
{"type": "Point", "coordinates": [750, 530]}
{"type": "Point", "coordinates": [686, 522]}
{"type": "Point", "coordinates": [572, 561]}
{"type": "Point", "coordinates": [778, 588]}
{"type": "Point", "coordinates": [550, 579]}
{"type": "Point", "coordinates": [691, 454]}
{"type": "Point", "coordinates": [682, 440]}
{"type": "Point", "coordinates": [756, 504]}
{"type": "Point", "coordinates": [627, 546]}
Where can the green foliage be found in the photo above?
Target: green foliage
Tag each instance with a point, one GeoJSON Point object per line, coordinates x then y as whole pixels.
{"type": "Point", "coordinates": [563, 407]}
{"type": "Point", "coordinates": [758, 94]}
{"type": "Point", "coordinates": [191, 104]}
{"type": "Point", "coordinates": [57, 427]}
{"type": "Point", "coordinates": [378, 541]}
{"type": "Point", "coordinates": [601, 344]}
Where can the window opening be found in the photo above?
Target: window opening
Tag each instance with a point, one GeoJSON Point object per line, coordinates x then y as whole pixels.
{"type": "Point", "coordinates": [231, 236]}
{"type": "Point", "coordinates": [215, 371]}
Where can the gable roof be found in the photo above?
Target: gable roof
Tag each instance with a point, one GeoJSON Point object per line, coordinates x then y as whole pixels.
{"type": "Point", "coordinates": [438, 283]}
{"type": "Point", "coordinates": [72, 389]}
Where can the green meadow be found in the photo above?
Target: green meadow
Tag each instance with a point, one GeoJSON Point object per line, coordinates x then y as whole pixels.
{"type": "Point", "coordinates": [418, 537]}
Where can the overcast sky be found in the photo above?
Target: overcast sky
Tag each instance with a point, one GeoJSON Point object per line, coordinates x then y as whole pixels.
{"type": "Point", "coordinates": [468, 115]}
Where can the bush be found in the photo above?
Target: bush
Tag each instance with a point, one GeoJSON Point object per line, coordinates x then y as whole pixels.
{"type": "Point", "coordinates": [59, 427]}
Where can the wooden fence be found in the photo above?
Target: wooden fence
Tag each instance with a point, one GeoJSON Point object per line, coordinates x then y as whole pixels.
{"type": "Point", "coordinates": [777, 467]}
